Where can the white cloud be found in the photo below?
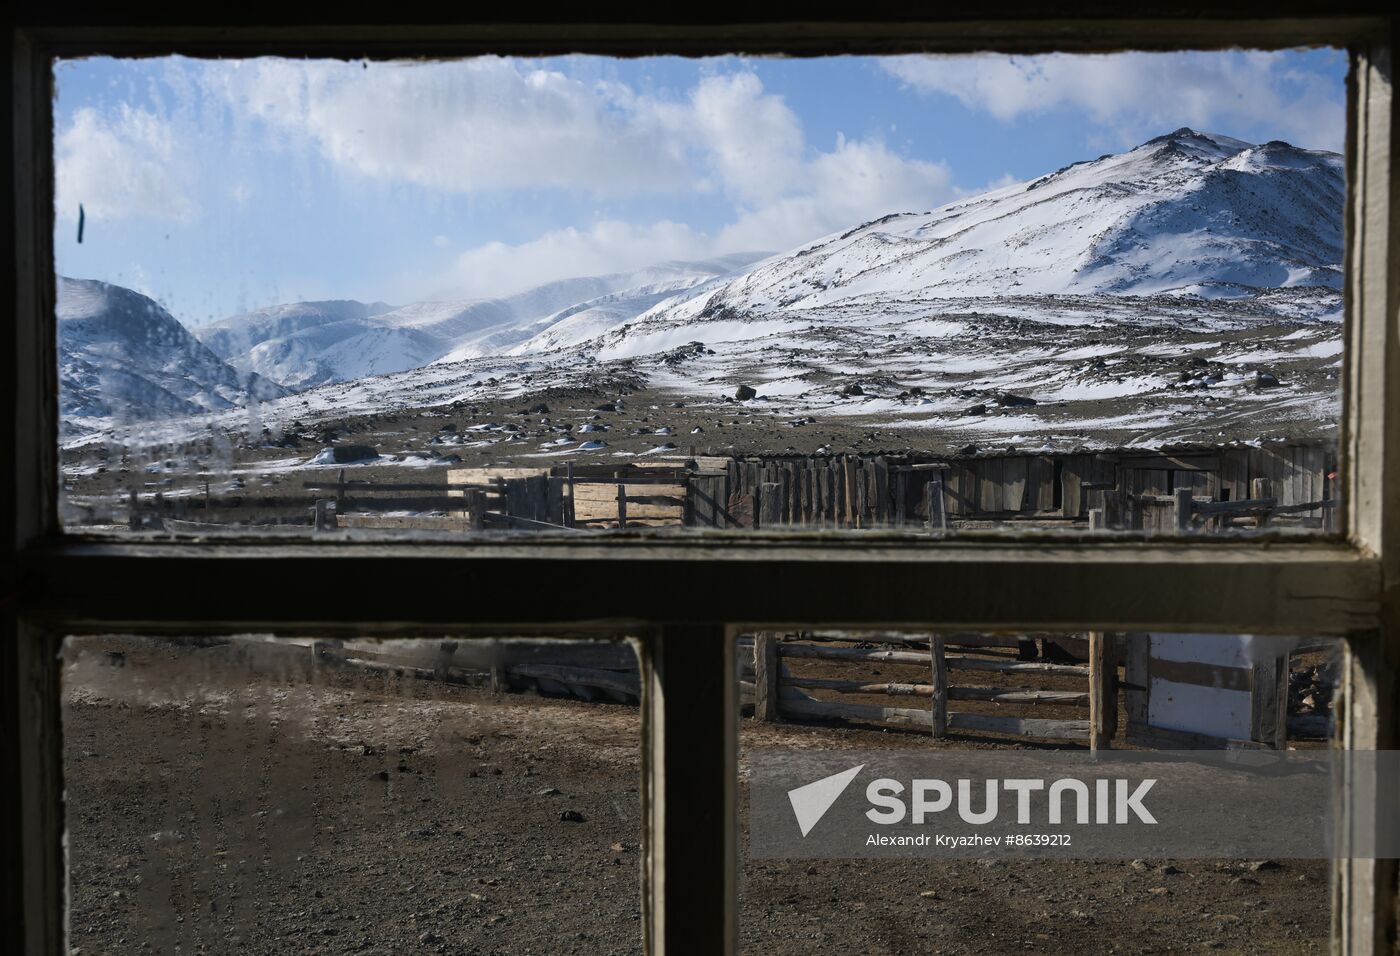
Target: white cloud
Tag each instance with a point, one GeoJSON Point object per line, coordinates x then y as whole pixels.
{"type": "Point", "coordinates": [833, 191]}
{"type": "Point", "coordinates": [498, 268]}
{"type": "Point", "coordinates": [727, 138]}
{"type": "Point", "coordinates": [471, 126]}
{"type": "Point", "coordinates": [1137, 94]}
{"type": "Point", "coordinates": [127, 163]}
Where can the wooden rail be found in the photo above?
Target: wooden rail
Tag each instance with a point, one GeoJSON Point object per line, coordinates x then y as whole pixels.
{"type": "Point", "coordinates": [778, 693]}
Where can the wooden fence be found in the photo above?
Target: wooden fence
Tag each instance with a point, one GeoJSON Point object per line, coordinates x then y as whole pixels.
{"type": "Point", "coordinates": [778, 692]}
{"type": "Point", "coordinates": [1176, 493]}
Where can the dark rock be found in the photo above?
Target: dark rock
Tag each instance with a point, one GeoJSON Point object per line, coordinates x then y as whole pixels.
{"type": "Point", "coordinates": [1265, 380]}
{"type": "Point", "coordinates": [540, 409]}
{"type": "Point", "coordinates": [571, 816]}
{"type": "Point", "coordinates": [1008, 400]}
{"type": "Point", "coordinates": [976, 410]}
{"type": "Point", "coordinates": [1260, 865]}
{"type": "Point", "coordinates": [745, 392]}
{"type": "Point", "coordinates": [967, 450]}
{"type": "Point", "coordinates": [345, 454]}
{"type": "Point", "coordinates": [382, 776]}
{"type": "Point", "coordinates": [852, 389]}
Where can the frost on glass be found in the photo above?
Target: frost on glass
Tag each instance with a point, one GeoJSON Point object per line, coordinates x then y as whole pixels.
{"type": "Point", "coordinates": [921, 294]}
{"type": "Point", "coordinates": [873, 695]}
{"type": "Point", "coordinates": [253, 795]}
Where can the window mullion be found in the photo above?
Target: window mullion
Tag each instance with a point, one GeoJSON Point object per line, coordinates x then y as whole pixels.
{"type": "Point", "coordinates": [690, 734]}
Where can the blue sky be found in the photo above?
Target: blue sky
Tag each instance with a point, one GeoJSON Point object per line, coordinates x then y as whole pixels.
{"type": "Point", "coordinates": [218, 186]}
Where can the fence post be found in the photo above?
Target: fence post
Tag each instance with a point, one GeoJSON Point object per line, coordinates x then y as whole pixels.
{"type": "Point", "coordinates": [1103, 690]}
{"type": "Point", "coordinates": [321, 520]}
{"type": "Point", "coordinates": [1096, 522]}
{"type": "Point", "coordinates": [934, 507]}
{"type": "Point", "coordinates": [621, 504]}
{"type": "Point", "coordinates": [474, 500]}
{"type": "Point", "coordinates": [1181, 510]}
{"type": "Point", "coordinates": [769, 504]}
{"type": "Point", "coordinates": [765, 675]}
{"type": "Point", "coordinates": [569, 503]}
{"type": "Point", "coordinates": [340, 492]}
{"type": "Point", "coordinates": [1262, 488]}
{"type": "Point", "coordinates": [133, 517]}
{"type": "Point", "coordinates": [940, 687]}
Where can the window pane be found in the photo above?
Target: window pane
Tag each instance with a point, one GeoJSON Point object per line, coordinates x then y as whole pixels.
{"type": "Point", "coordinates": [256, 795]}
{"type": "Point", "coordinates": [868, 700]}
{"type": "Point", "coordinates": [929, 294]}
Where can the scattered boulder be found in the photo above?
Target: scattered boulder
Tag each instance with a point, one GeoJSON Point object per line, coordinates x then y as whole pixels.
{"type": "Point", "coordinates": [1266, 380]}
{"type": "Point", "coordinates": [852, 390]}
{"type": "Point", "coordinates": [1009, 400]}
{"type": "Point", "coordinates": [745, 392]}
{"type": "Point", "coordinates": [976, 410]}
{"type": "Point", "coordinates": [540, 409]}
{"type": "Point", "coordinates": [571, 816]}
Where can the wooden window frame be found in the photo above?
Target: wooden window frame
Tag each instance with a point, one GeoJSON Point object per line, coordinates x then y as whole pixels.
{"type": "Point", "coordinates": [56, 584]}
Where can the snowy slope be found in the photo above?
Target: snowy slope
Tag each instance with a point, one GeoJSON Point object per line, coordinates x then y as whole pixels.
{"type": "Point", "coordinates": [1185, 290]}
{"type": "Point", "coordinates": [122, 358]}
{"type": "Point", "coordinates": [1186, 213]}
{"type": "Point", "coordinates": [285, 342]}
{"type": "Point", "coordinates": [306, 344]}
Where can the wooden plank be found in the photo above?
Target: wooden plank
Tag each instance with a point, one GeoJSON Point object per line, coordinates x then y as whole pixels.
{"type": "Point", "coordinates": [1021, 726]}
{"type": "Point", "coordinates": [591, 490]}
{"type": "Point", "coordinates": [954, 661]}
{"type": "Point", "coordinates": [940, 687]}
{"type": "Point", "coordinates": [999, 695]}
{"type": "Point", "coordinates": [401, 522]}
{"type": "Point", "coordinates": [848, 490]}
{"type": "Point", "coordinates": [769, 504]}
{"type": "Point", "coordinates": [1072, 475]}
{"type": "Point", "coordinates": [585, 511]}
{"type": "Point", "coordinates": [880, 488]}
{"type": "Point", "coordinates": [619, 681]}
{"type": "Point", "coordinates": [991, 491]}
{"type": "Point", "coordinates": [1202, 463]}
{"type": "Point", "coordinates": [1015, 476]}
{"type": "Point", "coordinates": [1103, 690]}
{"type": "Point", "coordinates": [1269, 704]}
{"type": "Point", "coordinates": [765, 679]}
{"type": "Point", "coordinates": [903, 716]}
{"type": "Point", "coordinates": [484, 475]}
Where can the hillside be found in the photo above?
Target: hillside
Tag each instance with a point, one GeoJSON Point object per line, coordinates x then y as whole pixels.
{"type": "Point", "coordinates": [123, 359]}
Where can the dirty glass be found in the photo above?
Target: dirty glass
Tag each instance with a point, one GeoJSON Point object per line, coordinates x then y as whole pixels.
{"type": "Point", "coordinates": [572, 295]}
{"type": "Point", "coordinates": [248, 794]}
{"type": "Point", "coordinates": [871, 699]}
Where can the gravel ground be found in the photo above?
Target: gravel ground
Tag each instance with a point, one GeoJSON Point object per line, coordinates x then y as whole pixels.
{"type": "Point", "coordinates": [230, 798]}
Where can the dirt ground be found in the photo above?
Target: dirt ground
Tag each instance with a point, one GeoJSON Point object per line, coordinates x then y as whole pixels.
{"type": "Point", "coordinates": [233, 798]}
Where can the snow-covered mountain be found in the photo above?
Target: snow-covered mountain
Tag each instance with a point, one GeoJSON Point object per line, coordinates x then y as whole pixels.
{"type": "Point", "coordinates": [123, 358]}
{"type": "Point", "coordinates": [304, 344]}
{"type": "Point", "coordinates": [285, 343]}
{"type": "Point", "coordinates": [1184, 214]}
{"type": "Point", "coordinates": [1185, 290]}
